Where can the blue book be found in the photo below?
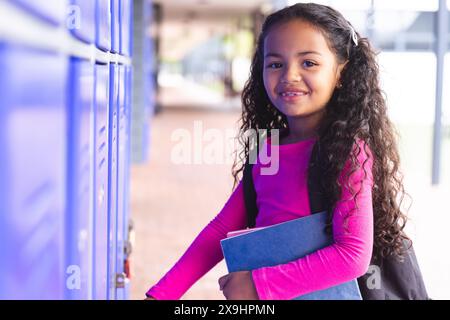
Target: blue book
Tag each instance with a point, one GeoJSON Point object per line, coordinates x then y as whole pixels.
{"type": "Point", "coordinates": [280, 243]}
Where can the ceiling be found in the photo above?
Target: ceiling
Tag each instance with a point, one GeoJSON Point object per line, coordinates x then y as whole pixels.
{"type": "Point", "coordinates": [188, 23]}
{"type": "Point", "coordinates": [210, 5]}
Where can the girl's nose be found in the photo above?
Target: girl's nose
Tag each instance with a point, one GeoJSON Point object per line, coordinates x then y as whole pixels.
{"type": "Point", "coordinates": [291, 74]}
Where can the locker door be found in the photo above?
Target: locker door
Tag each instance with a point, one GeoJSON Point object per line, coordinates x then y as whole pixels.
{"type": "Point", "coordinates": [79, 225]}
{"type": "Point", "coordinates": [112, 200]}
{"type": "Point", "coordinates": [128, 101]}
{"type": "Point", "coordinates": [122, 153]}
{"type": "Point", "coordinates": [103, 20]}
{"type": "Point", "coordinates": [115, 26]}
{"type": "Point", "coordinates": [54, 11]}
{"type": "Point", "coordinates": [125, 27]}
{"type": "Point", "coordinates": [83, 25]}
{"type": "Point", "coordinates": [32, 173]}
{"type": "Point", "coordinates": [101, 181]}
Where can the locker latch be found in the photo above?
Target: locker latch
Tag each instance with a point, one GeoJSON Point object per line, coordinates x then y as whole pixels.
{"type": "Point", "coordinates": [120, 280]}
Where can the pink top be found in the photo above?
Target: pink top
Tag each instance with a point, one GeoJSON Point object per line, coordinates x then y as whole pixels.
{"type": "Point", "coordinates": [282, 197]}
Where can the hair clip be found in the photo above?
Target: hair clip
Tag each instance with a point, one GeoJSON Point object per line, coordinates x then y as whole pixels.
{"type": "Point", "coordinates": [354, 36]}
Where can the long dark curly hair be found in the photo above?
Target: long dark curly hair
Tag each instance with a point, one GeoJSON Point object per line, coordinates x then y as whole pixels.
{"type": "Point", "coordinates": [355, 112]}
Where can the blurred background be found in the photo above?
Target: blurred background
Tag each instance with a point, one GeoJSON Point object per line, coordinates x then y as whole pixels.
{"type": "Point", "coordinates": [97, 96]}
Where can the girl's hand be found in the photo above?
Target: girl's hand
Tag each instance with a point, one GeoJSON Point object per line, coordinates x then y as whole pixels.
{"type": "Point", "coordinates": [238, 286]}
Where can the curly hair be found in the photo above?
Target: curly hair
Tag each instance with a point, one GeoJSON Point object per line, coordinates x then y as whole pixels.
{"type": "Point", "coordinates": [356, 111]}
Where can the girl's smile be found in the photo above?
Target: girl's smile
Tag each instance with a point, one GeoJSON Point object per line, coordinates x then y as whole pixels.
{"type": "Point", "coordinates": [292, 94]}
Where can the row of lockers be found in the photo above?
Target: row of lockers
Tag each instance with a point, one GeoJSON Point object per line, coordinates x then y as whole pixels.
{"type": "Point", "coordinates": [64, 170]}
{"type": "Point", "coordinates": [106, 23]}
{"type": "Point", "coordinates": [65, 139]}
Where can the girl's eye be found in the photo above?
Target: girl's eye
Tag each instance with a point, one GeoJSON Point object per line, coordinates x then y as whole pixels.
{"type": "Point", "coordinates": [309, 64]}
{"type": "Point", "coordinates": [274, 65]}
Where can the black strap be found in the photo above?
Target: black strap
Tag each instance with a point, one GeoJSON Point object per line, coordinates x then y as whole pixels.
{"type": "Point", "coordinates": [318, 201]}
{"type": "Point", "coordinates": [250, 195]}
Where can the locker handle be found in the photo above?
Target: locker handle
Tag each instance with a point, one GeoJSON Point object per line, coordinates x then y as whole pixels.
{"type": "Point", "coordinates": [121, 278]}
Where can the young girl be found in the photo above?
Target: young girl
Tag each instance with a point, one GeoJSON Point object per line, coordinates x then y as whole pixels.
{"type": "Point", "coordinates": [316, 79]}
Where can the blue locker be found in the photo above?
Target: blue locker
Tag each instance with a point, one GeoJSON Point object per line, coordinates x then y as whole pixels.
{"type": "Point", "coordinates": [53, 11]}
{"type": "Point", "coordinates": [112, 194]}
{"type": "Point", "coordinates": [128, 104]}
{"type": "Point", "coordinates": [79, 223]}
{"type": "Point", "coordinates": [83, 24]}
{"type": "Point", "coordinates": [103, 20]}
{"type": "Point", "coordinates": [125, 27]}
{"type": "Point", "coordinates": [115, 26]}
{"type": "Point", "coordinates": [122, 179]}
{"type": "Point", "coordinates": [32, 173]}
{"type": "Point", "coordinates": [101, 137]}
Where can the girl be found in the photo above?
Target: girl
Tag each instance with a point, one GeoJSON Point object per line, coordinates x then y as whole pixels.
{"type": "Point", "coordinates": [315, 79]}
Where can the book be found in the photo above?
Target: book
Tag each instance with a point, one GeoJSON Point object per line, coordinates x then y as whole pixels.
{"type": "Point", "coordinates": [281, 243]}
{"type": "Point", "coordinates": [243, 231]}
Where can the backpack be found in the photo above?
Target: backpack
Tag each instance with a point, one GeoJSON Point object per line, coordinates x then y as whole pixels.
{"type": "Point", "coordinates": [387, 278]}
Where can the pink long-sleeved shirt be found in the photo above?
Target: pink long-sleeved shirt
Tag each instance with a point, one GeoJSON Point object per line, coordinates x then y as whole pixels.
{"type": "Point", "coordinates": [282, 197]}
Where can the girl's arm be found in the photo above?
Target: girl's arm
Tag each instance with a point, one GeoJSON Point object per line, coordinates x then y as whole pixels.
{"type": "Point", "coordinates": [204, 252]}
{"type": "Point", "coordinates": [346, 259]}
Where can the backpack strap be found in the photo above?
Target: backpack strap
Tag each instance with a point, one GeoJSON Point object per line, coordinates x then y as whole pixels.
{"type": "Point", "coordinates": [249, 195]}
{"type": "Point", "coordinates": [317, 199]}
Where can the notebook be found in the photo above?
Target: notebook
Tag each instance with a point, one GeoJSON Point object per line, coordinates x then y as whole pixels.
{"type": "Point", "coordinates": [250, 249]}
